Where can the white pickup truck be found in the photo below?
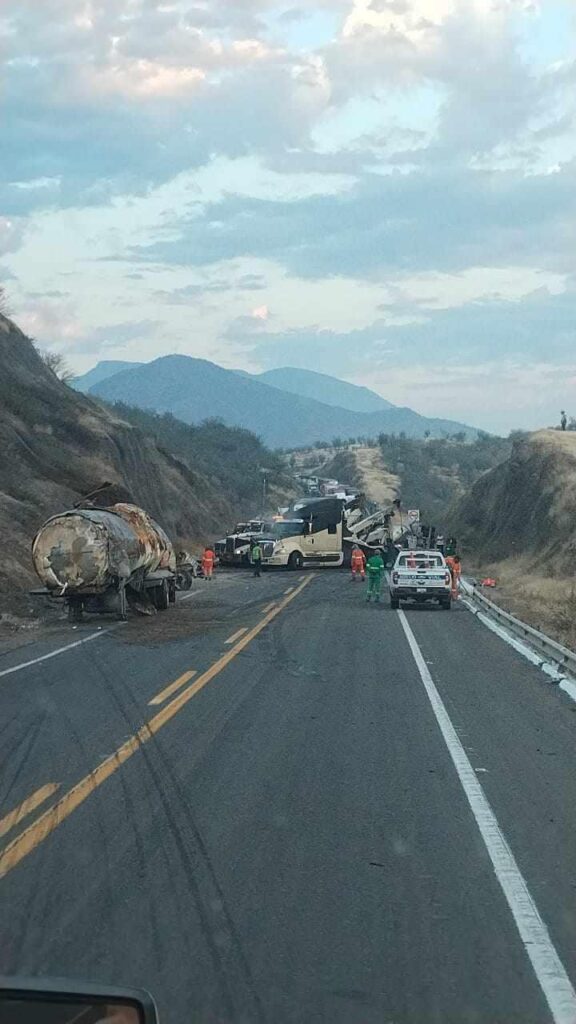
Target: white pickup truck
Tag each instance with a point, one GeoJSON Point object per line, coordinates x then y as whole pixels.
{"type": "Point", "coordinates": [421, 576]}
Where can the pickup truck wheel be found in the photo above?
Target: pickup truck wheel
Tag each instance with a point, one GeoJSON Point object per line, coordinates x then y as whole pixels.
{"type": "Point", "coordinates": [395, 603]}
{"type": "Point", "coordinates": [160, 596]}
{"type": "Point", "coordinates": [446, 604]}
{"type": "Point", "coordinates": [295, 561]}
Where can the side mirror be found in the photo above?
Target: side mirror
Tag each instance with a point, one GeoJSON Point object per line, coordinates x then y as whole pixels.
{"type": "Point", "coordinates": [43, 1001]}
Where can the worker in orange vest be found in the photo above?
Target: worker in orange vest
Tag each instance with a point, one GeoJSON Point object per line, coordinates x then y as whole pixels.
{"type": "Point", "coordinates": [208, 562]}
{"type": "Point", "coordinates": [456, 571]}
{"type": "Point", "coordinates": [358, 563]}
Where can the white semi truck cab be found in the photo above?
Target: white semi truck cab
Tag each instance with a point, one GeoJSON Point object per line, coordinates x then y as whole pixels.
{"type": "Point", "coordinates": [312, 535]}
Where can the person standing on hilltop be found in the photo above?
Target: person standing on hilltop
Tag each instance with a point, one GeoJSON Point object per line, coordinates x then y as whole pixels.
{"type": "Point", "coordinates": [563, 420]}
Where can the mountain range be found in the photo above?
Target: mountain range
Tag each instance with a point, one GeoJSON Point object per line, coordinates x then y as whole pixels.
{"type": "Point", "coordinates": [286, 407]}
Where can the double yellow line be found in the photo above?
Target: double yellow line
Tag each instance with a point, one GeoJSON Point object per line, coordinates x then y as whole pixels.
{"type": "Point", "coordinates": [40, 829]}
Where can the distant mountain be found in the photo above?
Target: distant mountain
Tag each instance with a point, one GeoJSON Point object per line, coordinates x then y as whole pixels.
{"type": "Point", "coordinates": [102, 371]}
{"type": "Point", "coordinates": [194, 390]}
{"type": "Point", "coordinates": [323, 388]}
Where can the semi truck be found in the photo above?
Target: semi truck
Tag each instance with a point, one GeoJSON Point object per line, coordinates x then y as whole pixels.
{"type": "Point", "coordinates": [311, 534]}
{"type": "Point", "coordinates": [235, 548]}
{"type": "Point", "coordinates": [322, 531]}
{"type": "Point", "coordinates": [92, 557]}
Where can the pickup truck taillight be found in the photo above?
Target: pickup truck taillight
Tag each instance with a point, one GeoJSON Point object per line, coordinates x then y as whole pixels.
{"type": "Point", "coordinates": [447, 577]}
{"type": "Point", "coordinates": [395, 578]}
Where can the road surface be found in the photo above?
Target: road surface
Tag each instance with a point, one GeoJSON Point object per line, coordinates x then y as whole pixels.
{"type": "Point", "coordinates": [275, 803]}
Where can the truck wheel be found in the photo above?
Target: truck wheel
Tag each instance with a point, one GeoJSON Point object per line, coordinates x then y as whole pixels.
{"type": "Point", "coordinates": [395, 603]}
{"type": "Point", "coordinates": [184, 580]}
{"type": "Point", "coordinates": [75, 611]}
{"type": "Point", "coordinates": [446, 604]}
{"type": "Point", "coordinates": [160, 596]}
{"type": "Point", "coordinates": [295, 561]}
{"type": "Point", "coordinates": [172, 591]}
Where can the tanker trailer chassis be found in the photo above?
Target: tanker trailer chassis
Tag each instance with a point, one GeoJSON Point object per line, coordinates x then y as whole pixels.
{"type": "Point", "coordinates": [159, 587]}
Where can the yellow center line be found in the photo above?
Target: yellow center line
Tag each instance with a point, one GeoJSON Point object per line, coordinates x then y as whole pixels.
{"type": "Point", "coordinates": [40, 829]}
{"type": "Point", "coordinates": [164, 694]}
{"type": "Point", "coordinates": [236, 636]}
{"type": "Point", "coordinates": [14, 817]}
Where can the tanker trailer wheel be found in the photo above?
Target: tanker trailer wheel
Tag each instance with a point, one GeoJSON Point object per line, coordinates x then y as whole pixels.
{"type": "Point", "coordinates": [160, 596]}
{"type": "Point", "coordinates": [75, 610]}
{"type": "Point", "coordinates": [122, 604]}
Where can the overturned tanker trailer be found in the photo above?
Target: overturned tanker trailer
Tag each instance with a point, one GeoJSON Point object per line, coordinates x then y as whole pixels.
{"type": "Point", "coordinates": [91, 557]}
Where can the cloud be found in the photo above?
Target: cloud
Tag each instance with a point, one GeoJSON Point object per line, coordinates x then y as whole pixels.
{"type": "Point", "coordinates": [540, 325]}
{"type": "Point", "coordinates": [11, 233]}
{"type": "Point", "coordinates": [118, 97]}
{"type": "Point", "coordinates": [390, 224]}
{"type": "Point", "coordinates": [112, 335]}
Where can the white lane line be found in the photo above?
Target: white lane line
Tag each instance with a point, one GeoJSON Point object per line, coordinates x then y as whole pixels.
{"type": "Point", "coordinates": [59, 650]}
{"type": "Point", "coordinates": [548, 967]}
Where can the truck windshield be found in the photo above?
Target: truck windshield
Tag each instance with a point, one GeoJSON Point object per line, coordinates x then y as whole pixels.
{"type": "Point", "coordinates": [290, 528]}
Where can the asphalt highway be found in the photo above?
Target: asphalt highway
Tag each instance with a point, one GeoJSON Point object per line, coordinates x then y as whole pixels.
{"type": "Point", "coordinates": [275, 803]}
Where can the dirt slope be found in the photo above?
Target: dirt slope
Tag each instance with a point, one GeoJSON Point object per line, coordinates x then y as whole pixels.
{"type": "Point", "coordinates": [526, 505]}
{"type": "Point", "coordinates": [518, 523]}
{"type": "Point", "coordinates": [378, 484]}
{"type": "Point", "coordinates": [57, 445]}
{"type": "Point", "coordinates": [361, 467]}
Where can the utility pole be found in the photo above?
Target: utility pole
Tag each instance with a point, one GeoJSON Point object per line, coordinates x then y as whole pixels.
{"type": "Point", "coordinates": [264, 473]}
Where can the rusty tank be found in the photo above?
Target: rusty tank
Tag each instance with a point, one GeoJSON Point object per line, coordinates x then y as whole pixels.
{"type": "Point", "coordinates": [88, 551]}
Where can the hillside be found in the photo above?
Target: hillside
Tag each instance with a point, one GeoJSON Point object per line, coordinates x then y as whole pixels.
{"type": "Point", "coordinates": [231, 456]}
{"type": "Point", "coordinates": [196, 389]}
{"type": "Point", "coordinates": [525, 506]}
{"type": "Point", "coordinates": [323, 388]}
{"type": "Point", "coordinates": [436, 473]}
{"type": "Point", "coordinates": [518, 523]}
{"type": "Point", "coordinates": [57, 445]}
{"type": "Point", "coordinates": [359, 466]}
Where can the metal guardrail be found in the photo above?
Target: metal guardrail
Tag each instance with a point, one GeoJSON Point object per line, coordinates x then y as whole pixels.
{"type": "Point", "coordinates": [550, 651]}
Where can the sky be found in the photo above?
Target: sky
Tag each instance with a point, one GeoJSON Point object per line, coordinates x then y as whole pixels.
{"type": "Point", "coordinates": [382, 190]}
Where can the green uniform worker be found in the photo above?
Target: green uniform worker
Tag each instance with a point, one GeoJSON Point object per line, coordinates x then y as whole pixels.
{"type": "Point", "coordinates": [256, 558]}
{"type": "Point", "coordinates": [375, 571]}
